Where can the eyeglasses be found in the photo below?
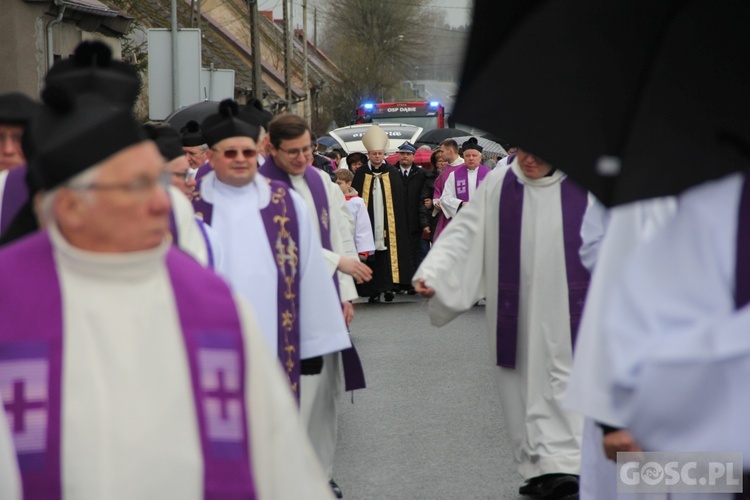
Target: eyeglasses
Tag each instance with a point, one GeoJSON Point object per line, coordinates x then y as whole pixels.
{"type": "Point", "coordinates": [294, 153]}
{"type": "Point", "coordinates": [142, 186]}
{"type": "Point", "coordinates": [231, 154]}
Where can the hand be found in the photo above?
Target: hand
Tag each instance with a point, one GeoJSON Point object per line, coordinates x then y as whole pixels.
{"type": "Point", "coordinates": [348, 309]}
{"type": "Point", "coordinates": [424, 290]}
{"type": "Point", "coordinates": [437, 204]}
{"type": "Point", "coordinates": [616, 441]}
{"type": "Point", "coordinates": [428, 202]}
{"type": "Point", "coordinates": [426, 229]}
{"type": "Point", "coordinates": [356, 269]}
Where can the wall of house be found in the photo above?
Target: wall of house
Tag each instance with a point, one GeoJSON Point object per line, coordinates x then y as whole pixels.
{"type": "Point", "coordinates": [23, 45]}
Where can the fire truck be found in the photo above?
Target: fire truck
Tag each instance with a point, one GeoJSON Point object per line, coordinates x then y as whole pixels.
{"type": "Point", "coordinates": [428, 115]}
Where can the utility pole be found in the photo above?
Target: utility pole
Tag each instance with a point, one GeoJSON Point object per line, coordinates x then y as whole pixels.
{"type": "Point", "coordinates": [287, 57]}
{"type": "Point", "coordinates": [305, 76]}
{"type": "Point", "coordinates": [175, 62]}
{"type": "Point", "coordinates": [255, 47]}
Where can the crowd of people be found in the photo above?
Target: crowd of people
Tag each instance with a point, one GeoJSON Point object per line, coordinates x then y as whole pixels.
{"type": "Point", "coordinates": [176, 304]}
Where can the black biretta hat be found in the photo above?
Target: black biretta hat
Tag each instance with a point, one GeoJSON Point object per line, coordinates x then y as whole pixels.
{"type": "Point", "coordinates": [17, 109]}
{"type": "Point", "coordinates": [228, 122]}
{"type": "Point", "coordinates": [192, 135]}
{"type": "Point", "coordinates": [91, 69]}
{"type": "Point", "coordinates": [472, 143]}
{"type": "Point", "coordinates": [166, 138]}
{"type": "Point", "coordinates": [256, 114]}
{"type": "Point", "coordinates": [73, 133]}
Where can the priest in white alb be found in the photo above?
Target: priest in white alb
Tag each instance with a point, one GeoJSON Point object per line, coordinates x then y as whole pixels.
{"type": "Point", "coordinates": [271, 253]}
{"type": "Point", "coordinates": [127, 370]}
{"type": "Point", "coordinates": [462, 181]}
{"type": "Point", "coordinates": [516, 244]}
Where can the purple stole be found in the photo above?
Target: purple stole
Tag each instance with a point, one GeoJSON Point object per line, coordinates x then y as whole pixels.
{"type": "Point", "coordinates": [31, 354]}
{"type": "Point", "coordinates": [574, 203]}
{"type": "Point", "coordinates": [742, 265]}
{"type": "Point", "coordinates": [15, 194]}
{"type": "Point", "coordinates": [282, 230]}
{"type": "Point", "coordinates": [354, 375]}
{"type": "Point", "coordinates": [318, 190]}
{"type": "Point", "coordinates": [461, 176]}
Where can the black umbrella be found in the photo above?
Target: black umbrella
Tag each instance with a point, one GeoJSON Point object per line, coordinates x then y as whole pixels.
{"type": "Point", "coordinates": [198, 112]}
{"type": "Point", "coordinates": [438, 135]}
{"type": "Point", "coordinates": [632, 98]}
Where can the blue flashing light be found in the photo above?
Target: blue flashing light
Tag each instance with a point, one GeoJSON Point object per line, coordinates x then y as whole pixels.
{"type": "Point", "coordinates": [368, 105]}
{"type": "Point", "coordinates": [434, 104]}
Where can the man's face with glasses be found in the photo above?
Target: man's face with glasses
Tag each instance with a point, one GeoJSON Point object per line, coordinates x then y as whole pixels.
{"type": "Point", "coordinates": [235, 160]}
{"type": "Point", "coordinates": [125, 209]}
{"type": "Point", "coordinates": [293, 155]}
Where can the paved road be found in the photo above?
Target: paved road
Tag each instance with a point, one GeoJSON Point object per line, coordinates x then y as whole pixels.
{"type": "Point", "coordinates": [428, 426]}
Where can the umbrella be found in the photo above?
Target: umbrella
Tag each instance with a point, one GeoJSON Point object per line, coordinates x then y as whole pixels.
{"type": "Point", "coordinates": [328, 142]}
{"type": "Point", "coordinates": [198, 112]}
{"type": "Point", "coordinates": [436, 136]}
{"type": "Point", "coordinates": [489, 147]}
{"type": "Point", "coordinates": [632, 98]}
{"type": "Point", "coordinates": [421, 157]}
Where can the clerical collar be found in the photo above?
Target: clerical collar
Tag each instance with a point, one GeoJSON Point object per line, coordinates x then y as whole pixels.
{"type": "Point", "coordinates": [125, 265]}
{"type": "Point", "coordinates": [378, 169]}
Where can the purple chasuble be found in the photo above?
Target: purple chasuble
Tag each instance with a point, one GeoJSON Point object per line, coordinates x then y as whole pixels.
{"type": "Point", "coordinates": [354, 375]}
{"type": "Point", "coordinates": [461, 178]}
{"type": "Point", "coordinates": [574, 202]}
{"type": "Point", "coordinates": [15, 194]}
{"type": "Point", "coordinates": [31, 354]}
{"type": "Point", "coordinates": [742, 265]}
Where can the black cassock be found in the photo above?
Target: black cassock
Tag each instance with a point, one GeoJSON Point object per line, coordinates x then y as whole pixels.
{"type": "Point", "coordinates": [393, 265]}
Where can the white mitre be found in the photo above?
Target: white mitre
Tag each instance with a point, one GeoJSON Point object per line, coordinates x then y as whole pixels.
{"type": "Point", "coordinates": [375, 139]}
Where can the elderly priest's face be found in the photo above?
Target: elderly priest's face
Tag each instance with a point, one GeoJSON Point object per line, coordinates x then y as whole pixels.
{"type": "Point", "coordinates": [119, 206]}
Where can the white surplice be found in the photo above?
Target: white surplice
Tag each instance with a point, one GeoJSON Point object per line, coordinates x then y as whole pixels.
{"type": "Point", "coordinates": [248, 264]}
{"type": "Point", "coordinates": [128, 423]}
{"type": "Point", "coordinates": [678, 348]}
{"type": "Point", "coordinates": [449, 201]}
{"type": "Point", "coordinates": [462, 267]}
{"type": "Point", "coordinates": [190, 237]}
{"type": "Point", "coordinates": [363, 239]}
{"type": "Point", "coordinates": [590, 387]}
{"type": "Point", "coordinates": [320, 394]}
{"type": "Point", "coordinates": [10, 479]}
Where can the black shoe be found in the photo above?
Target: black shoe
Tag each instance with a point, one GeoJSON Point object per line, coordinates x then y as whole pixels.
{"type": "Point", "coordinates": [389, 296]}
{"type": "Point", "coordinates": [335, 488]}
{"type": "Point", "coordinates": [559, 487]}
{"type": "Point", "coordinates": [375, 299]}
{"type": "Point", "coordinates": [532, 486]}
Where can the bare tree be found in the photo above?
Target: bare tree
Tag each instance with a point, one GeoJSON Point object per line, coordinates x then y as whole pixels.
{"type": "Point", "coordinates": [375, 44]}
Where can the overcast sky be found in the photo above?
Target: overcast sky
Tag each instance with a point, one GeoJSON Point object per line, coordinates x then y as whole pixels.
{"type": "Point", "coordinates": [458, 12]}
